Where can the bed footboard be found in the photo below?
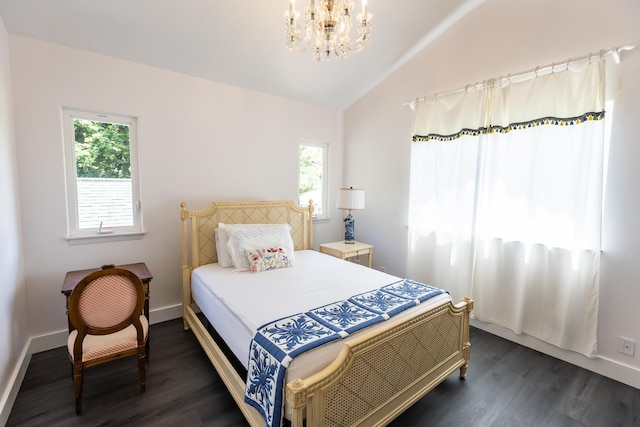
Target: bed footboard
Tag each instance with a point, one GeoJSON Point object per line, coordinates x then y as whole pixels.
{"type": "Point", "coordinates": [379, 375]}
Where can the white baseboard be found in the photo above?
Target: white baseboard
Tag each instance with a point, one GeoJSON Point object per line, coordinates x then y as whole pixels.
{"type": "Point", "coordinates": [57, 339]}
{"type": "Point", "coordinates": [11, 392]}
{"type": "Point", "coordinates": [604, 366]}
{"type": "Point", "coordinates": [164, 314]}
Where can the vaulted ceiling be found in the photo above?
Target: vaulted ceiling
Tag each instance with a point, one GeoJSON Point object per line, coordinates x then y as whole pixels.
{"type": "Point", "coordinates": [237, 42]}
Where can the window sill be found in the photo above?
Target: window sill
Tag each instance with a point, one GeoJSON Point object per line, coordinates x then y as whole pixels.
{"type": "Point", "coordinates": [103, 238]}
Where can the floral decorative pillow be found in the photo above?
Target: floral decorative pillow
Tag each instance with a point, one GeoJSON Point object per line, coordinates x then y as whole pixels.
{"type": "Point", "coordinates": [267, 259]}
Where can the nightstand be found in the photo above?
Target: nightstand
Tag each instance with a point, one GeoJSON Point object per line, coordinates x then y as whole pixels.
{"type": "Point", "coordinates": [347, 250]}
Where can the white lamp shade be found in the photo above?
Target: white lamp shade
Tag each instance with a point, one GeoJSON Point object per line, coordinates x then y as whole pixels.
{"type": "Point", "coordinates": [351, 198]}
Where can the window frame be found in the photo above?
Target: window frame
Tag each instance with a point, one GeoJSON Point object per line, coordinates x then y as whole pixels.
{"type": "Point", "coordinates": [74, 233]}
{"type": "Point", "coordinates": [325, 177]}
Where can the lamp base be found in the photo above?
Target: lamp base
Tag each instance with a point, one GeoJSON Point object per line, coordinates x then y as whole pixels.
{"type": "Point", "coordinates": [349, 227]}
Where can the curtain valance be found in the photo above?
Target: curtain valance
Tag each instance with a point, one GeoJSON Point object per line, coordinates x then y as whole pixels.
{"type": "Point", "coordinates": [504, 104]}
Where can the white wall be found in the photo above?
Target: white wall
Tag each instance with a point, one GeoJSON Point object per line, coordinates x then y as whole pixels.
{"type": "Point", "coordinates": [199, 141]}
{"type": "Point", "coordinates": [497, 38]}
{"type": "Point", "coordinates": [14, 331]}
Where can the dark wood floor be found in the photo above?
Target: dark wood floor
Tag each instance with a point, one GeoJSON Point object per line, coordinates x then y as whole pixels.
{"type": "Point", "coordinates": [507, 385]}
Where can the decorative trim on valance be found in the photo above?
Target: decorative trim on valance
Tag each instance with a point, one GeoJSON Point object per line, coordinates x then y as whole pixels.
{"type": "Point", "coordinates": [544, 121]}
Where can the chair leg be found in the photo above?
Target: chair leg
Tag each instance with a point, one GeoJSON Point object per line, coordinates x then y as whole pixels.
{"type": "Point", "coordinates": [77, 385]}
{"type": "Point", "coordinates": [142, 359]}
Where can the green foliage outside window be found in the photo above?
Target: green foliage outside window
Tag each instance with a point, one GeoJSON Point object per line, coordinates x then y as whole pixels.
{"type": "Point", "coordinates": [310, 169]}
{"type": "Point", "coordinates": [102, 149]}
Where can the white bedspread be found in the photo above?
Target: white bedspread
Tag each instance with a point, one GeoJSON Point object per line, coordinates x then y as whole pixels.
{"type": "Point", "coordinates": [237, 303]}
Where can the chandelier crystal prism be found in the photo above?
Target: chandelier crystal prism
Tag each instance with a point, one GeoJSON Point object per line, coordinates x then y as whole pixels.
{"type": "Point", "coordinates": [327, 28]}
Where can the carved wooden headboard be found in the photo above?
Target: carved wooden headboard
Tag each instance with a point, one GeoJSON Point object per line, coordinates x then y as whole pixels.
{"type": "Point", "coordinates": [198, 241]}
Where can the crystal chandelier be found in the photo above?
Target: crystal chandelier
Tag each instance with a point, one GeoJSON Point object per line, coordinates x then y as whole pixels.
{"type": "Point", "coordinates": [327, 28]}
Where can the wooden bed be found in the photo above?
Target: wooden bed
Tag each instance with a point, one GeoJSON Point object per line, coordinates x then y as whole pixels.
{"type": "Point", "coordinates": [375, 377]}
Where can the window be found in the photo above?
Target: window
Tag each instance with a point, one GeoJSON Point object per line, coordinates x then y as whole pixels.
{"type": "Point", "coordinates": [312, 183]}
{"type": "Point", "coordinates": [506, 201]}
{"type": "Point", "coordinates": [103, 190]}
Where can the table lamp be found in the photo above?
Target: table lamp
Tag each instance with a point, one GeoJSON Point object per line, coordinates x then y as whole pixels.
{"type": "Point", "coordinates": [350, 199]}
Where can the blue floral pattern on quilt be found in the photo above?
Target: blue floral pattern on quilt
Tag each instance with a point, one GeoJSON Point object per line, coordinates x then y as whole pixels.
{"type": "Point", "coordinates": [276, 343]}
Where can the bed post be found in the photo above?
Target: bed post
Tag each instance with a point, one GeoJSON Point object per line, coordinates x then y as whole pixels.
{"type": "Point", "coordinates": [466, 345]}
{"type": "Point", "coordinates": [309, 226]}
{"type": "Point", "coordinates": [186, 270]}
{"type": "Point", "coordinates": [297, 397]}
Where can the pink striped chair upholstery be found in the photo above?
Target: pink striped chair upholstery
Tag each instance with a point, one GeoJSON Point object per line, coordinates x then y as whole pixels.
{"type": "Point", "coordinates": [105, 310]}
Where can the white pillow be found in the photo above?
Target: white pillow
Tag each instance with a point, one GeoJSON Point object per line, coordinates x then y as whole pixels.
{"type": "Point", "coordinates": [224, 258]}
{"type": "Point", "coordinates": [243, 237]}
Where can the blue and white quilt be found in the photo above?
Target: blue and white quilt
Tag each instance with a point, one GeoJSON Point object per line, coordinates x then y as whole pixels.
{"type": "Point", "coordinates": [276, 343]}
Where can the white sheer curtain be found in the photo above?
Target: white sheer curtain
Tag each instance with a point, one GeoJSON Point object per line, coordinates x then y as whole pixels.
{"type": "Point", "coordinates": [506, 201]}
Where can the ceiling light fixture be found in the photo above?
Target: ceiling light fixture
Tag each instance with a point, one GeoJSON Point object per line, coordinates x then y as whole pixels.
{"type": "Point", "coordinates": [327, 28]}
